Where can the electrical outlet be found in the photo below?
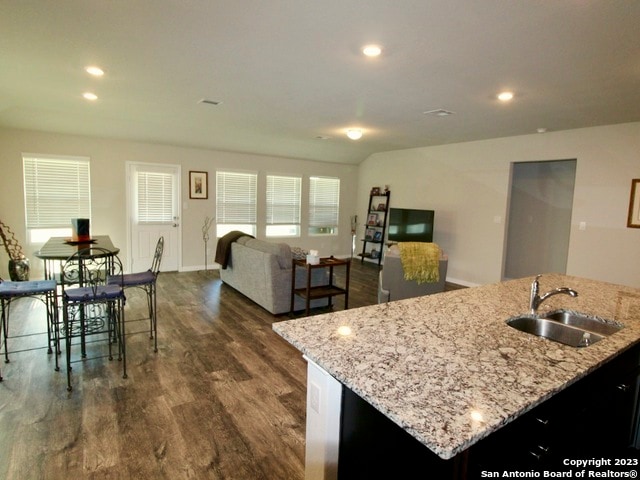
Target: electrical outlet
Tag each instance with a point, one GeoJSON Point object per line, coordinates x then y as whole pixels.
{"type": "Point", "coordinates": [314, 397]}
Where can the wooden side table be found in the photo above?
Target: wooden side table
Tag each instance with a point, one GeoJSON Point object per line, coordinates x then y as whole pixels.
{"type": "Point", "coordinates": [320, 291]}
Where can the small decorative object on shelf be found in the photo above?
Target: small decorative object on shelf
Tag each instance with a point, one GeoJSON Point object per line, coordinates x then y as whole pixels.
{"type": "Point", "coordinates": [376, 226]}
{"type": "Point", "coordinates": [18, 263]}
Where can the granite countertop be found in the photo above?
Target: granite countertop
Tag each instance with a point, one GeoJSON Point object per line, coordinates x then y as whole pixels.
{"type": "Point", "coordinates": [447, 368]}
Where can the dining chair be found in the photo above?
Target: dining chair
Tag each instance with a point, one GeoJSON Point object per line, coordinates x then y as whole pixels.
{"type": "Point", "coordinates": [147, 282]}
{"type": "Point", "coordinates": [90, 305]}
{"type": "Point", "coordinates": [43, 290]}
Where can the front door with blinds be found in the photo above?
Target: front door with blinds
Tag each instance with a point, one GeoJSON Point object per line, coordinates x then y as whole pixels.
{"type": "Point", "coordinates": [154, 201]}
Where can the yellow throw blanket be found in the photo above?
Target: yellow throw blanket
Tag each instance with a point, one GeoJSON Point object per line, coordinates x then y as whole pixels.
{"type": "Point", "coordinates": [420, 261]}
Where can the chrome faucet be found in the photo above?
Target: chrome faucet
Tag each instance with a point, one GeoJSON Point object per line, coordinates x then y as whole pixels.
{"type": "Point", "coordinates": [535, 300]}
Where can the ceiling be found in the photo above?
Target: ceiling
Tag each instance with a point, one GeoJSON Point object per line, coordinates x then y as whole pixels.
{"type": "Point", "coordinates": [290, 71]}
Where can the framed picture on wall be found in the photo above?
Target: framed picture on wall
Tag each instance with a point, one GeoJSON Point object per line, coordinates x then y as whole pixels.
{"type": "Point", "coordinates": [198, 185]}
{"type": "Point", "coordinates": [633, 221]}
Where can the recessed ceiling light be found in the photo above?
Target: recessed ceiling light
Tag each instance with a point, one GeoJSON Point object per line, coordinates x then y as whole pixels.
{"type": "Point", "coordinates": [541, 130]}
{"type": "Point", "coordinates": [505, 96]}
{"type": "Point", "coordinates": [206, 101]}
{"type": "Point", "coordinates": [90, 96]}
{"type": "Point", "coordinates": [372, 50]}
{"type": "Point", "coordinates": [440, 112]}
{"type": "Point", "coordinates": [354, 133]}
{"type": "Point", "coordinates": [95, 71]}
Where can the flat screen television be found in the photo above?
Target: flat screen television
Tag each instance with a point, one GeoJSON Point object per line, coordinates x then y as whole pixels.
{"type": "Point", "coordinates": [410, 225]}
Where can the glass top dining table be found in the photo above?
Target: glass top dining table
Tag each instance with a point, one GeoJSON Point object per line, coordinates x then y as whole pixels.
{"type": "Point", "coordinates": [60, 248]}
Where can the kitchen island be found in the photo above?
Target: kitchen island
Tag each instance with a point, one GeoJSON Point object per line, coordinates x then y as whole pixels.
{"type": "Point", "coordinates": [446, 368]}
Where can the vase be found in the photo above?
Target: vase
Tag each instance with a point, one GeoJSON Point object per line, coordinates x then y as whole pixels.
{"type": "Point", "coordinates": [19, 270]}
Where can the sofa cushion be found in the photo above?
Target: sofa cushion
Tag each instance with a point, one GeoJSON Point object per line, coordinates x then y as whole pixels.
{"type": "Point", "coordinates": [282, 251]}
{"type": "Point", "coordinates": [244, 240]}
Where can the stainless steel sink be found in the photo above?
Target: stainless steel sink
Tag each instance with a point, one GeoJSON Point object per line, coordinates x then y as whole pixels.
{"type": "Point", "coordinates": [584, 322]}
{"type": "Point", "coordinates": [565, 326]}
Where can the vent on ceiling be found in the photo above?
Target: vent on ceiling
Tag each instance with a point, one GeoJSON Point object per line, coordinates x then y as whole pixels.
{"type": "Point", "coordinates": [210, 102]}
{"type": "Point", "coordinates": [440, 112]}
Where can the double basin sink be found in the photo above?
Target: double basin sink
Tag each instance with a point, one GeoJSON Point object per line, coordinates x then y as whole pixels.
{"type": "Point", "coordinates": [566, 326]}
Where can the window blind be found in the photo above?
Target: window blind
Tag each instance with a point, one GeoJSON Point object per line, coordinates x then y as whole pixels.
{"type": "Point", "coordinates": [155, 198]}
{"type": "Point", "coordinates": [56, 190]}
{"type": "Point", "coordinates": [236, 198]}
{"type": "Point", "coordinates": [283, 200]}
{"type": "Point", "coordinates": [324, 200]}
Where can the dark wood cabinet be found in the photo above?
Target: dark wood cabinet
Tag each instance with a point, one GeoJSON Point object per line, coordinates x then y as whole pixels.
{"type": "Point", "coordinates": [593, 418]}
{"type": "Point", "coordinates": [375, 227]}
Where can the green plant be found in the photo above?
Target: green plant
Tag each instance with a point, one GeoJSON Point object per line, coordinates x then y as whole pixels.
{"type": "Point", "coordinates": [11, 245]}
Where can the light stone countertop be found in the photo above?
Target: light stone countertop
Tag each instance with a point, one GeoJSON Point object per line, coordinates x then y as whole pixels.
{"type": "Point", "coordinates": [447, 368]}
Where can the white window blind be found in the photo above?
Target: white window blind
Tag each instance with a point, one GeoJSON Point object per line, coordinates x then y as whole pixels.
{"type": "Point", "coordinates": [155, 198]}
{"type": "Point", "coordinates": [283, 205]}
{"type": "Point", "coordinates": [324, 202]}
{"type": "Point", "coordinates": [236, 201]}
{"type": "Point", "coordinates": [56, 190]}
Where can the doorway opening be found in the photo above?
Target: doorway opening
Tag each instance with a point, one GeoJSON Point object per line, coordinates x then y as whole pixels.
{"type": "Point", "coordinates": [539, 218]}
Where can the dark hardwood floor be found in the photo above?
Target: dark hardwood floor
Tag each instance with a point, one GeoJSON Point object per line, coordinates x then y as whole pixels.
{"type": "Point", "coordinates": [224, 397]}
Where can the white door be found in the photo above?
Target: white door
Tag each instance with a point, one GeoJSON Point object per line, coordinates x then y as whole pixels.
{"type": "Point", "coordinates": [153, 208]}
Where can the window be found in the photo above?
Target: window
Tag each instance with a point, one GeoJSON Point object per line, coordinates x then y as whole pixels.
{"type": "Point", "coordinates": [324, 200]}
{"type": "Point", "coordinates": [155, 198]}
{"type": "Point", "coordinates": [56, 189]}
{"type": "Point", "coordinates": [283, 206]}
{"type": "Point", "coordinates": [236, 202]}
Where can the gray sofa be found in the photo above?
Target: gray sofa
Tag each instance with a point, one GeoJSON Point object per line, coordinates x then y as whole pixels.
{"type": "Point", "coordinates": [262, 271]}
{"type": "Point", "coordinates": [392, 285]}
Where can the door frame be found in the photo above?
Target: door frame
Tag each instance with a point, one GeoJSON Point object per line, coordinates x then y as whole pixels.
{"type": "Point", "coordinates": [129, 165]}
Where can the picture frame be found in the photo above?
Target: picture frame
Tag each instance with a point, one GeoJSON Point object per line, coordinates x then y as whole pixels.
{"type": "Point", "coordinates": [382, 207]}
{"type": "Point", "coordinates": [377, 237]}
{"type": "Point", "coordinates": [372, 219]}
{"type": "Point", "coordinates": [369, 234]}
{"type": "Point", "coordinates": [198, 185]}
{"type": "Point", "coordinates": [375, 191]}
{"type": "Point", "coordinates": [633, 219]}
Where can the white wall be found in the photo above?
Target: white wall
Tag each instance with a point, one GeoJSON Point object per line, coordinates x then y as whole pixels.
{"type": "Point", "coordinates": [467, 184]}
{"type": "Point", "coordinates": [108, 190]}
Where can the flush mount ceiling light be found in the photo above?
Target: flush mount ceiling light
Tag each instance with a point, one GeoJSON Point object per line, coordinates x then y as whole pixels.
{"type": "Point", "coordinates": [95, 71]}
{"type": "Point", "coordinates": [372, 50]}
{"type": "Point", "coordinates": [505, 96]}
{"type": "Point", "coordinates": [354, 133]}
{"type": "Point", "coordinates": [90, 96]}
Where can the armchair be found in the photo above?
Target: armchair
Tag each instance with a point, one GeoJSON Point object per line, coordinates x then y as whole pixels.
{"type": "Point", "coordinates": [392, 285]}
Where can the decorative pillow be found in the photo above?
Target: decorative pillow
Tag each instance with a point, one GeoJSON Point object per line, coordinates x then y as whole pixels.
{"type": "Point", "coordinates": [280, 250]}
{"type": "Point", "coordinates": [298, 253]}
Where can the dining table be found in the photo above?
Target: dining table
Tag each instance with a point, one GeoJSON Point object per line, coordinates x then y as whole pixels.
{"type": "Point", "coordinates": [55, 253]}
{"type": "Point", "coordinates": [59, 249]}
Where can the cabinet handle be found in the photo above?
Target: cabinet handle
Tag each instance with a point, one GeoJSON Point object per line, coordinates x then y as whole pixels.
{"type": "Point", "coordinates": [541, 454]}
{"type": "Point", "coordinates": [623, 387]}
{"type": "Point", "coordinates": [543, 421]}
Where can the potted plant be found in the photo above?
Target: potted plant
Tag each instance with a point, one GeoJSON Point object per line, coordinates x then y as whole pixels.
{"type": "Point", "coordinates": [18, 263]}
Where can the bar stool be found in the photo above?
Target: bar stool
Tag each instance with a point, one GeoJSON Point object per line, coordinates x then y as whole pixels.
{"type": "Point", "coordinates": [90, 305]}
{"type": "Point", "coordinates": [43, 290]}
{"type": "Point", "coordinates": [147, 282]}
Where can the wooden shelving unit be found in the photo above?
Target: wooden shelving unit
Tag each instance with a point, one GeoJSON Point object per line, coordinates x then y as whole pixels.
{"type": "Point", "coordinates": [375, 226]}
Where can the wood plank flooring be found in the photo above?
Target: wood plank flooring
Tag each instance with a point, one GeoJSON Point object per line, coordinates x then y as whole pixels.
{"type": "Point", "coordinates": [224, 397]}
